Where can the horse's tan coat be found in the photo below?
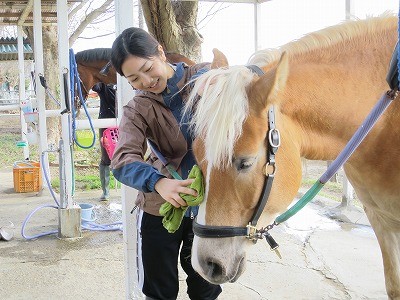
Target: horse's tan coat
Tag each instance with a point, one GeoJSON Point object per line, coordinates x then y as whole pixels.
{"type": "Point", "coordinates": [323, 88]}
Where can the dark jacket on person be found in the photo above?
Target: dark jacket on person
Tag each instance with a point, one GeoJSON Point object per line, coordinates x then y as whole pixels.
{"type": "Point", "coordinates": [106, 93]}
{"type": "Point", "coordinates": [157, 118]}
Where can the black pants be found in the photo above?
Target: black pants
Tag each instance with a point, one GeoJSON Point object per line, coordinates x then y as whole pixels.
{"type": "Point", "coordinates": [160, 251]}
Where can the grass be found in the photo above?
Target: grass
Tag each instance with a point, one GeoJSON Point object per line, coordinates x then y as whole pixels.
{"type": "Point", "coordinates": [331, 190]}
{"type": "Point", "coordinates": [10, 153]}
{"type": "Point", "coordinates": [86, 182]}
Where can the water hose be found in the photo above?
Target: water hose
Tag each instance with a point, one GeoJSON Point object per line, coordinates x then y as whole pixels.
{"type": "Point", "coordinates": [85, 224]}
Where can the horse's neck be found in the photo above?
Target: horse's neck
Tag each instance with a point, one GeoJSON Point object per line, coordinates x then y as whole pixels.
{"type": "Point", "coordinates": [327, 101]}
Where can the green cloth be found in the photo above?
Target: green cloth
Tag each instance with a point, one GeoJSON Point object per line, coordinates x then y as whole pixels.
{"type": "Point", "coordinates": [173, 216]}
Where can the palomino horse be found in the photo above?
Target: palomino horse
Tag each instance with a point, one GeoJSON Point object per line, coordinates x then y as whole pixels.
{"type": "Point", "coordinates": [93, 67]}
{"type": "Point", "coordinates": [321, 86]}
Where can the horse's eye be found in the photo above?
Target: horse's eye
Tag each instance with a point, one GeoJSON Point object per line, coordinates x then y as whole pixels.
{"type": "Point", "coordinates": [244, 164]}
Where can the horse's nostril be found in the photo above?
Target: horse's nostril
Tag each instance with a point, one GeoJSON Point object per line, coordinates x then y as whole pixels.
{"type": "Point", "coordinates": [215, 270]}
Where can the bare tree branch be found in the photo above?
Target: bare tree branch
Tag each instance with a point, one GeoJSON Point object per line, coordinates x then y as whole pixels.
{"type": "Point", "coordinates": [93, 37]}
{"type": "Point", "coordinates": [88, 19]}
{"type": "Point", "coordinates": [100, 21]}
{"type": "Point", "coordinates": [77, 8]}
{"type": "Point", "coordinates": [211, 14]}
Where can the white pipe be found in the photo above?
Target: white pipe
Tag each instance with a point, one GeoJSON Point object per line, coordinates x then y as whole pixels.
{"type": "Point", "coordinates": [350, 10]}
{"type": "Point", "coordinates": [97, 123]}
{"type": "Point", "coordinates": [124, 19]}
{"type": "Point", "coordinates": [257, 18]}
{"type": "Point", "coordinates": [9, 107]}
{"type": "Point", "coordinates": [63, 58]}
{"type": "Point", "coordinates": [21, 88]}
{"type": "Point", "coordinates": [50, 113]}
{"type": "Point", "coordinates": [9, 115]}
{"type": "Point", "coordinates": [40, 92]}
{"type": "Point", "coordinates": [10, 100]}
{"type": "Point", "coordinates": [56, 112]}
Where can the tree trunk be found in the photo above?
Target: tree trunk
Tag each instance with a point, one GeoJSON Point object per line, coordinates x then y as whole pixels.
{"type": "Point", "coordinates": [50, 64]}
{"type": "Point", "coordinates": [50, 60]}
{"type": "Point", "coordinates": [174, 25]}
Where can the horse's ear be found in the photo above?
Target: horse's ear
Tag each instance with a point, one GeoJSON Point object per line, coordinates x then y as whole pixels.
{"type": "Point", "coordinates": [219, 60]}
{"type": "Point", "coordinates": [269, 85]}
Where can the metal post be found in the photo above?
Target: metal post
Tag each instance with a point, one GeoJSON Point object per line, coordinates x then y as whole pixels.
{"type": "Point", "coordinates": [69, 214]}
{"type": "Point", "coordinates": [257, 18]}
{"type": "Point", "coordinates": [123, 20]}
{"type": "Point", "coordinates": [348, 190]}
{"type": "Point", "coordinates": [40, 92]}
{"type": "Point", "coordinates": [350, 11]}
{"type": "Point", "coordinates": [21, 89]}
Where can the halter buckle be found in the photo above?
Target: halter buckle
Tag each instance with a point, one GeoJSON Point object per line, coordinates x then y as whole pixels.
{"type": "Point", "coordinates": [252, 233]}
{"type": "Point", "coordinates": [268, 167]}
{"type": "Point", "coordinates": [274, 138]}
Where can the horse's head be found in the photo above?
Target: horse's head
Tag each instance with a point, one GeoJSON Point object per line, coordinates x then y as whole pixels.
{"type": "Point", "coordinates": [232, 125]}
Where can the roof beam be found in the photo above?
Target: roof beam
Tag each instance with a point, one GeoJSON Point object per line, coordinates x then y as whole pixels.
{"type": "Point", "coordinates": [234, 1]}
{"type": "Point", "coordinates": [44, 14]}
{"type": "Point", "coordinates": [25, 13]}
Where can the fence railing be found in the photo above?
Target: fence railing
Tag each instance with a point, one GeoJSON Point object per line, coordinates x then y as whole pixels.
{"type": "Point", "coordinates": [12, 97]}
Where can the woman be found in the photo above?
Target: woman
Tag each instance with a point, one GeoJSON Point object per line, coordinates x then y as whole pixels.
{"type": "Point", "coordinates": [154, 114]}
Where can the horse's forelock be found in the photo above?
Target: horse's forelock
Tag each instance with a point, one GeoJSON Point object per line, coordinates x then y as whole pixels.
{"type": "Point", "coordinates": [220, 113]}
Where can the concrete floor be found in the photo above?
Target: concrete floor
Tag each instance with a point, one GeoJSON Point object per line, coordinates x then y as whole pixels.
{"type": "Point", "coordinates": [322, 258]}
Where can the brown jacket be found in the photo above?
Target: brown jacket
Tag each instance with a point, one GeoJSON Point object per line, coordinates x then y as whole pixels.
{"type": "Point", "coordinates": [146, 116]}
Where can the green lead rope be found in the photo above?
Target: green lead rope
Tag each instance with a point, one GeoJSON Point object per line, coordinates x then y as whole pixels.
{"type": "Point", "coordinates": [173, 216]}
{"type": "Point", "coordinates": [351, 146]}
{"type": "Point", "coordinates": [173, 172]}
{"type": "Point", "coordinates": [308, 196]}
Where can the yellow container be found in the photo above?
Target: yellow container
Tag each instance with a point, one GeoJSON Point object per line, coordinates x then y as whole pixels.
{"type": "Point", "coordinates": [84, 138]}
{"type": "Point", "coordinates": [27, 176]}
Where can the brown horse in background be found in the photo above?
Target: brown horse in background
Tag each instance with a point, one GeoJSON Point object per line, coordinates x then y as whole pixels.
{"type": "Point", "coordinates": [94, 66]}
{"type": "Point", "coordinates": [316, 91]}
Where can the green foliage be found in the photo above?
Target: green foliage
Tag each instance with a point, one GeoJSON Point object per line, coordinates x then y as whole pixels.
{"type": "Point", "coordinates": [86, 180]}
{"type": "Point", "coordinates": [10, 153]}
{"type": "Point", "coordinates": [92, 182]}
{"type": "Point", "coordinates": [55, 183]}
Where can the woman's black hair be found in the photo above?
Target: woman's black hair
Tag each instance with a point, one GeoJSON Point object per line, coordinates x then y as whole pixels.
{"type": "Point", "coordinates": [133, 41]}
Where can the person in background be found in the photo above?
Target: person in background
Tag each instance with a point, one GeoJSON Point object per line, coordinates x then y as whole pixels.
{"type": "Point", "coordinates": [106, 93]}
{"type": "Point", "coordinates": [155, 114]}
{"type": "Point", "coordinates": [6, 85]}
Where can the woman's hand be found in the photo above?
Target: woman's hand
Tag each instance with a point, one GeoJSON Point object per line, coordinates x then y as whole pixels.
{"type": "Point", "coordinates": [170, 189]}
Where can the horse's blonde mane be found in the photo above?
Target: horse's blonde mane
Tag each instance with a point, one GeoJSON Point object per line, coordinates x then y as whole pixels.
{"type": "Point", "coordinates": [220, 113]}
{"type": "Point", "coordinates": [327, 38]}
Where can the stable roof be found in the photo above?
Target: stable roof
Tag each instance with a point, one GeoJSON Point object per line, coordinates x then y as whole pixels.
{"type": "Point", "coordinates": [13, 12]}
{"type": "Point", "coordinates": [9, 49]}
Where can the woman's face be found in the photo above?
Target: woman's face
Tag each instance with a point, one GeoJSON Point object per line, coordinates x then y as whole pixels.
{"type": "Point", "coordinates": [148, 74]}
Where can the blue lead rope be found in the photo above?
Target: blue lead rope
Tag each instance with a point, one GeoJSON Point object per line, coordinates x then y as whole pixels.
{"type": "Point", "coordinates": [352, 145]}
{"type": "Point", "coordinates": [75, 81]}
{"type": "Point", "coordinates": [398, 52]}
{"type": "Point", "coordinates": [393, 80]}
